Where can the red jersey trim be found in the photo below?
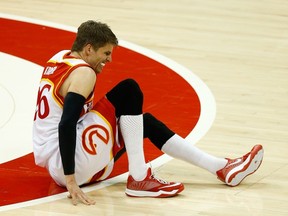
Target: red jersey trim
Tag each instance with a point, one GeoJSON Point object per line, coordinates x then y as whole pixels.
{"type": "Point", "coordinates": [56, 90]}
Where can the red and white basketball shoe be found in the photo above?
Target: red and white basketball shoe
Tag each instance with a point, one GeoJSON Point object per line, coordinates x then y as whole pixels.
{"type": "Point", "coordinates": [152, 187]}
{"type": "Point", "coordinates": [237, 169]}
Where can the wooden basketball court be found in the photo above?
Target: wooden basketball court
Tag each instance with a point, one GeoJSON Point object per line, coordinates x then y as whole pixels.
{"type": "Point", "coordinates": [238, 49]}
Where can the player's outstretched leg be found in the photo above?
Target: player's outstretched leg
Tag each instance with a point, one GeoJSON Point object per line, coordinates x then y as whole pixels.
{"type": "Point", "coordinates": [232, 172]}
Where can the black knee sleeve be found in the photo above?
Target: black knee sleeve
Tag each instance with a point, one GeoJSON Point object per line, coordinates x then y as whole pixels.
{"type": "Point", "coordinates": [126, 97]}
{"type": "Point", "coordinates": [156, 131]}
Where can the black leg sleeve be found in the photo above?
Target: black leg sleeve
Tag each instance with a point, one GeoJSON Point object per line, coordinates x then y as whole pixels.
{"type": "Point", "coordinates": [126, 97]}
{"type": "Point", "coordinates": [156, 131]}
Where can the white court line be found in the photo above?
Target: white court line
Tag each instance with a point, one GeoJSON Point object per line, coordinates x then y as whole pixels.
{"type": "Point", "coordinates": [207, 101]}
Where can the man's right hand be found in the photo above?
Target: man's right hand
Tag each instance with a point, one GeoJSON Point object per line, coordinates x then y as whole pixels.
{"type": "Point", "coordinates": [75, 192]}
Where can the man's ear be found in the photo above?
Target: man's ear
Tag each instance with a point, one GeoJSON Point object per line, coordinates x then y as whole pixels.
{"type": "Point", "coordinates": [88, 48]}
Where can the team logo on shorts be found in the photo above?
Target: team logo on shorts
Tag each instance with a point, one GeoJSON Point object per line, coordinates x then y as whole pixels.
{"type": "Point", "coordinates": [93, 136]}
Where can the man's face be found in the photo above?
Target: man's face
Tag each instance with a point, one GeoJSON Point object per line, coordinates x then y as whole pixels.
{"type": "Point", "coordinates": [98, 58]}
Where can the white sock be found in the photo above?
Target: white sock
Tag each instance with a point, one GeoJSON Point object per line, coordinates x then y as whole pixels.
{"type": "Point", "coordinates": [132, 131]}
{"type": "Point", "coordinates": [180, 148]}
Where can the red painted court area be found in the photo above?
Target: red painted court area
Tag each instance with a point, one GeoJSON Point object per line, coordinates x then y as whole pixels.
{"type": "Point", "coordinates": [167, 95]}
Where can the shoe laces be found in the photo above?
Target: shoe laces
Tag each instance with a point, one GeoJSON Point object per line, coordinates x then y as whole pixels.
{"type": "Point", "coordinates": [159, 180]}
{"type": "Point", "coordinates": [156, 178]}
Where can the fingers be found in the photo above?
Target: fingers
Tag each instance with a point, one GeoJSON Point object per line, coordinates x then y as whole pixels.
{"type": "Point", "coordinates": [75, 192]}
{"type": "Point", "coordinates": [86, 200]}
{"type": "Point", "coordinates": [82, 198]}
{"type": "Point", "coordinates": [74, 200]}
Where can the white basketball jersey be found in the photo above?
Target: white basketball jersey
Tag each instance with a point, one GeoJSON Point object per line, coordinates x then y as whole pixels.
{"type": "Point", "coordinates": [49, 105]}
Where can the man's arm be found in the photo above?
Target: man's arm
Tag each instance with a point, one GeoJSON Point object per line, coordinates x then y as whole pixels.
{"type": "Point", "coordinates": [72, 108]}
{"type": "Point", "coordinates": [75, 90]}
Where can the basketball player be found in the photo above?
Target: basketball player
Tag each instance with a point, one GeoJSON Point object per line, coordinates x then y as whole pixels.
{"type": "Point", "coordinates": [77, 139]}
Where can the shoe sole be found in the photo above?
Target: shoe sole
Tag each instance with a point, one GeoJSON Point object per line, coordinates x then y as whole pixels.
{"type": "Point", "coordinates": [157, 194]}
{"type": "Point", "coordinates": [237, 175]}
